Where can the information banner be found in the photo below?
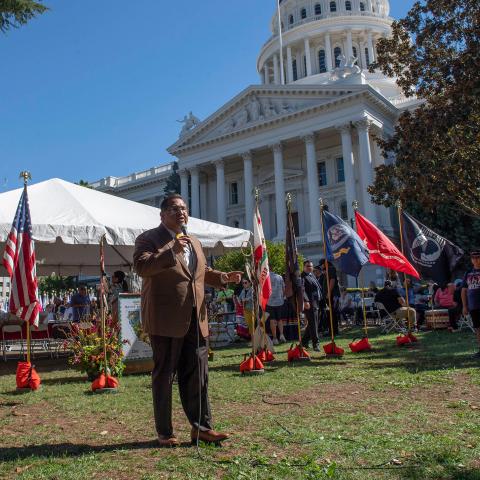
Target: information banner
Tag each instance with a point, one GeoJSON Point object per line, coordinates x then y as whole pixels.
{"type": "Point", "coordinates": [129, 313]}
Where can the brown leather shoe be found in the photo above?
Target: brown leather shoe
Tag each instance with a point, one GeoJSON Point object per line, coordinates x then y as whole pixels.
{"type": "Point", "coordinates": [166, 441]}
{"type": "Point", "coordinates": [207, 436]}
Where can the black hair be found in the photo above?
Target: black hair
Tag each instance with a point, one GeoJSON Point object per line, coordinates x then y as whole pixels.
{"type": "Point", "coordinates": [168, 199]}
{"type": "Point", "coordinates": [121, 277]}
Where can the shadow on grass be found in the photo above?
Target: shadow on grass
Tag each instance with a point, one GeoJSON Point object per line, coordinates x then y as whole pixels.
{"type": "Point", "coordinates": [71, 449]}
{"type": "Point", "coordinates": [41, 364]}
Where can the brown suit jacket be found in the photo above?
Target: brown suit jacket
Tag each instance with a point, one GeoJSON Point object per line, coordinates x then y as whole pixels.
{"type": "Point", "coordinates": [168, 293]}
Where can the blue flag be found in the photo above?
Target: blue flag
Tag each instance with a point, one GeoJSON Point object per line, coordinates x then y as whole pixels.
{"type": "Point", "coordinates": [343, 244]}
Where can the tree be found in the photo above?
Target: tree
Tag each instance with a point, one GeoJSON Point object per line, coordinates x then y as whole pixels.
{"type": "Point", "coordinates": [173, 181]}
{"type": "Point", "coordinates": [55, 284]}
{"type": "Point", "coordinates": [434, 54]}
{"type": "Point", "coordinates": [235, 261]}
{"type": "Point", "coordinates": [84, 183]}
{"type": "Point", "coordinates": [14, 13]}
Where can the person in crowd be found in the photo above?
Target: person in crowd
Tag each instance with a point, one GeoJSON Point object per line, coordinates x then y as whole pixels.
{"type": "Point", "coordinates": [395, 304]}
{"type": "Point", "coordinates": [174, 315]}
{"type": "Point", "coordinates": [80, 304]}
{"type": "Point", "coordinates": [471, 295]}
{"type": "Point", "coordinates": [225, 298]}
{"type": "Point", "coordinates": [119, 285]}
{"type": "Point", "coordinates": [238, 305]}
{"type": "Point", "coordinates": [334, 295]}
{"type": "Point", "coordinates": [444, 299]}
{"type": "Point", "coordinates": [246, 299]}
{"type": "Point", "coordinates": [372, 289]}
{"type": "Point", "coordinates": [275, 307]}
{"type": "Point", "coordinates": [313, 296]}
{"type": "Point", "coordinates": [407, 286]}
{"type": "Point", "coordinates": [345, 304]}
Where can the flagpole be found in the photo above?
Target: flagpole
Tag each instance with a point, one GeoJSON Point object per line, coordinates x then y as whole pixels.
{"type": "Point", "coordinates": [330, 311]}
{"type": "Point", "coordinates": [289, 216]}
{"type": "Point", "coordinates": [365, 326]}
{"type": "Point", "coordinates": [26, 177]}
{"type": "Point", "coordinates": [400, 221]}
{"type": "Point", "coordinates": [102, 305]}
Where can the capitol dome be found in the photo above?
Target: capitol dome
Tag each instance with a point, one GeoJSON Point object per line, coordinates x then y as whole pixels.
{"type": "Point", "coordinates": [320, 37]}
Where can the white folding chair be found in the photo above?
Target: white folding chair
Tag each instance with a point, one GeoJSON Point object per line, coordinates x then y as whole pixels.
{"type": "Point", "coordinates": [40, 338]}
{"type": "Point", "coordinates": [465, 321]}
{"type": "Point", "coordinates": [12, 335]}
{"type": "Point", "coordinates": [389, 322]}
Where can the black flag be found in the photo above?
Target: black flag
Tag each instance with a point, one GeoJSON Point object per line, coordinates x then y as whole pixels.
{"type": "Point", "coordinates": [293, 278]}
{"type": "Point", "coordinates": [433, 256]}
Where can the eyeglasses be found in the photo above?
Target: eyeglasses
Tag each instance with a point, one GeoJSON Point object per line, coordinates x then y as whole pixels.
{"type": "Point", "coordinates": [176, 209]}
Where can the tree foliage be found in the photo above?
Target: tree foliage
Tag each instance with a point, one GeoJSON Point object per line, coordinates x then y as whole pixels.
{"type": "Point", "coordinates": [84, 183]}
{"type": "Point", "coordinates": [173, 181]}
{"type": "Point", "coordinates": [434, 53]}
{"type": "Point", "coordinates": [15, 13]}
{"type": "Point", "coordinates": [235, 261]}
{"type": "Point", "coordinates": [55, 284]}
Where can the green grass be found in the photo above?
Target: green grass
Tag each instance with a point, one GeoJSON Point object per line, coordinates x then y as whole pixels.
{"type": "Point", "coordinates": [396, 413]}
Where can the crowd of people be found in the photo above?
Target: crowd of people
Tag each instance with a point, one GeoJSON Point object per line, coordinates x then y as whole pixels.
{"type": "Point", "coordinates": [400, 298]}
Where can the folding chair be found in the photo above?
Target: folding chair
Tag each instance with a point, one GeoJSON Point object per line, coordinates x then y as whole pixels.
{"type": "Point", "coordinates": [11, 335]}
{"type": "Point", "coordinates": [371, 310]}
{"type": "Point", "coordinates": [465, 321]}
{"type": "Point", "coordinates": [40, 336]}
{"type": "Point", "coordinates": [389, 322]}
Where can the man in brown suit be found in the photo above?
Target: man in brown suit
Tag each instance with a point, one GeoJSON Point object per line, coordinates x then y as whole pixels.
{"type": "Point", "coordinates": [174, 272]}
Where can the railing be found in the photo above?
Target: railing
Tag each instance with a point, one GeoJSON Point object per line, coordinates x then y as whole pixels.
{"type": "Point", "coordinates": [114, 182]}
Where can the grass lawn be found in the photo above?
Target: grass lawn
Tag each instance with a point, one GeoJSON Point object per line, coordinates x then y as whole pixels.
{"type": "Point", "coordinates": [396, 413]}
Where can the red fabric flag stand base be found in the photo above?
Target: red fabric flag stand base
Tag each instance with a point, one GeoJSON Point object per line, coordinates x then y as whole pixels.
{"type": "Point", "coordinates": [105, 384]}
{"type": "Point", "coordinates": [362, 345]}
{"type": "Point", "coordinates": [297, 354]}
{"type": "Point", "coordinates": [407, 339]}
{"type": "Point", "coordinates": [332, 351]}
{"type": "Point", "coordinates": [251, 366]}
{"type": "Point", "coordinates": [27, 377]}
{"type": "Point", "coordinates": [265, 355]}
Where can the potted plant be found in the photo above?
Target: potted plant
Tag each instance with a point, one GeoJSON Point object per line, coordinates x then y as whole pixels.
{"type": "Point", "coordinates": [88, 353]}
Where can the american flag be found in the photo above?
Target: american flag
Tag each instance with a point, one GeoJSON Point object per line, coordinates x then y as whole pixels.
{"type": "Point", "coordinates": [19, 260]}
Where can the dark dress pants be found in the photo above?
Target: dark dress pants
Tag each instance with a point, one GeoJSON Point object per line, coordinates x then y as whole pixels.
{"type": "Point", "coordinates": [183, 356]}
{"type": "Point", "coordinates": [311, 333]}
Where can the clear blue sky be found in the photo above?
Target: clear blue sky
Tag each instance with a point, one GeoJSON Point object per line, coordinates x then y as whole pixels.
{"type": "Point", "coordinates": [93, 88]}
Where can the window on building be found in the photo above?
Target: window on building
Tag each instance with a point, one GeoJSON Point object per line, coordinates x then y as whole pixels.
{"type": "Point", "coordinates": [295, 71]}
{"type": "Point", "coordinates": [362, 7]}
{"type": "Point", "coordinates": [322, 174]}
{"type": "Point", "coordinates": [305, 65]}
{"type": "Point", "coordinates": [318, 9]}
{"type": "Point", "coordinates": [337, 51]}
{"type": "Point", "coordinates": [348, 6]}
{"type": "Point", "coordinates": [354, 50]}
{"type": "Point", "coordinates": [236, 224]}
{"type": "Point", "coordinates": [340, 170]}
{"type": "Point", "coordinates": [367, 56]}
{"type": "Point", "coordinates": [291, 19]}
{"type": "Point", "coordinates": [189, 201]}
{"type": "Point", "coordinates": [303, 13]}
{"type": "Point", "coordinates": [333, 6]}
{"type": "Point", "coordinates": [296, 227]}
{"type": "Point", "coordinates": [322, 65]}
{"type": "Point", "coordinates": [344, 210]}
{"type": "Point", "coordinates": [234, 193]}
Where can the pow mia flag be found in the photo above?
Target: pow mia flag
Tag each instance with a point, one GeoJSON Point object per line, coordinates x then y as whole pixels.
{"type": "Point", "coordinates": [433, 256]}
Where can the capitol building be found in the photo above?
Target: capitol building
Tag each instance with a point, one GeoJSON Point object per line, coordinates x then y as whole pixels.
{"type": "Point", "coordinates": [307, 128]}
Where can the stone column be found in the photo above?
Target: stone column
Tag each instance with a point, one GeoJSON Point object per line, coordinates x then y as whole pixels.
{"type": "Point", "coordinates": [276, 70]}
{"type": "Point", "coordinates": [369, 5]}
{"type": "Point", "coordinates": [289, 65]}
{"type": "Point", "coordinates": [328, 52]}
{"type": "Point", "coordinates": [184, 184]}
{"type": "Point", "coordinates": [313, 189]}
{"type": "Point", "coordinates": [221, 199]}
{"type": "Point", "coordinates": [248, 190]}
{"type": "Point", "coordinates": [194, 174]}
{"type": "Point", "coordinates": [279, 190]}
{"type": "Point", "coordinates": [266, 74]}
{"type": "Point", "coordinates": [308, 60]}
{"type": "Point", "coordinates": [349, 45]}
{"type": "Point", "coordinates": [366, 167]}
{"type": "Point", "coordinates": [371, 51]}
{"type": "Point", "coordinates": [349, 168]}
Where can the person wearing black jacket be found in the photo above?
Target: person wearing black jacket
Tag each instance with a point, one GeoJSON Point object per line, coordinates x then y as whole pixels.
{"type": "Point", "coordinates": [313, 296]}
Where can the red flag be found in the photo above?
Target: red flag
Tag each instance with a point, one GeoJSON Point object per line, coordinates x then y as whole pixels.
{"type": "Point", "coordinates": [261, 260]}
{"type": "Point", "coordinates": [19, 260]}
{"type": "Point", "coordinates": [382, 251]}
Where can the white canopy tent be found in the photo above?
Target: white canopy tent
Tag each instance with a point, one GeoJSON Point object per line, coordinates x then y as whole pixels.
{"type": "Point", "coordinates": [68, 222]}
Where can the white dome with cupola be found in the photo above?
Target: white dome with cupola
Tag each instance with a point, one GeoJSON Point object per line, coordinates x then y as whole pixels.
{"type": "Point", "coordinates": [327, 42]}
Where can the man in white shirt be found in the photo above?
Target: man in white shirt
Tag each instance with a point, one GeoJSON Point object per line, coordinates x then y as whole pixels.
{"type": "Point", "coordinates": [275, 307]}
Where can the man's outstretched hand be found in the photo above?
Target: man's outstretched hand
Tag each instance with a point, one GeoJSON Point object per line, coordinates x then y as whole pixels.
{"type": "Point", "coordinates": [232, 277]}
